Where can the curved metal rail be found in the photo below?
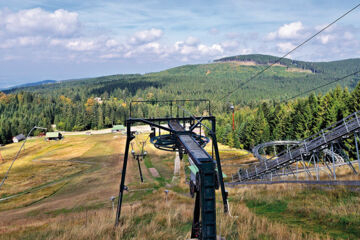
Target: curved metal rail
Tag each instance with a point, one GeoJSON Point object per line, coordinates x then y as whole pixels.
{"type": "Point", "coordinates": [336, 183]}
{"type": "Point", "coordinates": [319, 141]}
{"type": "Point", "coordinates": [256, 150]}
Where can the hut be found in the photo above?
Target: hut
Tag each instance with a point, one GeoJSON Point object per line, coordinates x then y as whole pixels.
{"type": "Point", "coordinates": [118, 128]}
{"type": "Point", "coordinates": [53, 136]}
{"type": "Point", "coordinates": [18, 138]}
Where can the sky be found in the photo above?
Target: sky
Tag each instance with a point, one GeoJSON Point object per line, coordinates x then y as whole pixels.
{"type": "Point", "coordinates": [69, 39]}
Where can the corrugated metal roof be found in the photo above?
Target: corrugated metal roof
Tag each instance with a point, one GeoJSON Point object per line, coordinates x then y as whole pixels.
{"type": "Point", "coordinates": [52, 134]}
{"type": "Point", "coordinates": [20, 137]}
{"type": "Point", "coordinates": [118, 127]}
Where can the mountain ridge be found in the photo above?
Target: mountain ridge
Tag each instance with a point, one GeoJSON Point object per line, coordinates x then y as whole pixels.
{"type": "Point", "coordinates": [257, 59]}
{"type": "Point", "coordinates": [31, 84]}
{"type": "Point", "coordinates": [269, 59]}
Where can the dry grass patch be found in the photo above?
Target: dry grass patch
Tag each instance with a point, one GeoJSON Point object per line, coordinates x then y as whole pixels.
{"type": "Point", "coordinates": [334, 211]}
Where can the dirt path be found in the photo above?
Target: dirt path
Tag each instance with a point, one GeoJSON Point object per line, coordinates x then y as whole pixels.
{"type": "Point", "coordinates": [177, 165]}
{"type": "Point", "coordinates": [139, 129]}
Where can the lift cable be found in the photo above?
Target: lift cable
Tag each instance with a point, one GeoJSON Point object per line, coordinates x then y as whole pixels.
{"type": "Point", "coordinates": [280, 58]}
{"type": "Point", "coordinates": [197, 120]}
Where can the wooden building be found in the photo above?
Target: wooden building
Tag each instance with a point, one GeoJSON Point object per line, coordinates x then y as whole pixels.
{"type": "Point", "coordinates": [18, 138]}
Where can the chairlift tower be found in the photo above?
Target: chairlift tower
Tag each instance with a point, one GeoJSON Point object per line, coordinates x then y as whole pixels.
{"type": "Point", "coordinates": [180, 136]}
{"type": "Point", "coordinates": [139, 157]}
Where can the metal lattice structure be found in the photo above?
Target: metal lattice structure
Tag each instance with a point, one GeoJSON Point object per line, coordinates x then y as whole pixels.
{"type": "Point", "coordinates": [180, 136]}
{"type": "Point", "coordinates": [256, 150]}
{"type": "Point", "coordinates": [326, 142]}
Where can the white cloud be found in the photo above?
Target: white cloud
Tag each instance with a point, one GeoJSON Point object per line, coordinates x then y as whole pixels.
{"type": "Point", "coordinates": [285, 46]}
{"type": "Point", "coordinates": [21, 42]}
{"type": "Point", "coordinates": [60, 35]}
{"type": "Point", "coordinates": [184, 59]}
{"type": "Point", "coordinates": [152, 48]}
{"type": "Point", "coordinates": [339, 36]}
{"type": "Point", "coordinates": [246, 51]}
{"type": "Point", "coordinates": [325, 38]}
{"type": "Point", "coordinates": [192, 41]}
{"type": "Point", "coordinates": [348, 35]}
{"type": "Point", "coordinates": [336, 42]}
{"type": "Point", "coordinates": [26, 41]}
{"type": "Point", "coordinates": [290, 30]}
{"type": "Point", "coordinates": [271, 35]}
{"type": "Point", "coordinates": [212, 50]}
{"type": "Point", "coordinates": [287, 31]}
{"type": "Point", "coordinates": [110, 56]}
{"type": "Point", "coordinates": [192, 48]}
{"type": "Point", "coordinates": [81, 45]}
{"type": "Point", "coordinates": [146, 36]}
{"type": "Point", "coordinates": [230, 44]}
{"type": "Point", "coordinates": [36, 21]}
{"type": "Point", "coordinates": [111, 43]}
{"type": "Point", "coordinates": [187, 50]}
{"type": "Point", "coordinates": [76, 44]}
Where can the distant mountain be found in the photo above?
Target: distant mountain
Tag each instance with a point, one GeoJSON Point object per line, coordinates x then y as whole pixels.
{"type": "Point", "coordinates": [315, 67]}
{"type": "Point", "coordinates": [71, 104]}
{"type": "Point", "coordinates": [213, 81]}
{"type": "Point", "coordinates": [32, 84]}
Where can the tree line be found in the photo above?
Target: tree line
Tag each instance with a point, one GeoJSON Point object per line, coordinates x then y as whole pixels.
{"type": "Point", "coordinates": [73, 105]}
{"type": "Point", "coordinates": [294, 120]}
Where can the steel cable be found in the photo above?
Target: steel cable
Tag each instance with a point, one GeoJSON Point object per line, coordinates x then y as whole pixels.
{"type": "Point", "coordinates": [291, 51]}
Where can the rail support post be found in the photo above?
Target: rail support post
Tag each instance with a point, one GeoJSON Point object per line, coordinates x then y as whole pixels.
{"type": "Point", "coordinates": [333, 160]}
{"type": "Point", "coordinates": [316, 167]}
{"type": "Point", "coordinates": [357, 149]}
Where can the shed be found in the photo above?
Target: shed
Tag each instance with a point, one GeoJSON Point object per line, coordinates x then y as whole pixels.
{"type": "Point", "coordinates": [53, 136]}
{"type": "Point", "coordinates": [18, 138]}
{"type": "Point", "coordinates": [118, 128]}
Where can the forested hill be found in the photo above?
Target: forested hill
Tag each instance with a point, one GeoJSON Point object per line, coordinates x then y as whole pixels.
{"type": "Point", "coordinates": [341, 66]}
{"type": "Point", "coordinates": [26, 85]}
{"type": "Point", "coordinates": [75, 104]}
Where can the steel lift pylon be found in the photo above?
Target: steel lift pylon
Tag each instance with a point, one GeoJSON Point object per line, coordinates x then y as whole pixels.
{"type": "Point", "coordinates": [209, 176]}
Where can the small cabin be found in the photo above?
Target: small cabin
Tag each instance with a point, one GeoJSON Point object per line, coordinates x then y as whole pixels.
{"type": "Point", "coordinates": [98, 100]}
{"type": "Point", "coordinates": [53, 136]}
{"type": "Point", "coordinates": [118, 128]}
{"type": "Point", "coordinates": [18, 138]}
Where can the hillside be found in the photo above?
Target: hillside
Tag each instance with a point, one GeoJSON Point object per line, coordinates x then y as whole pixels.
{"type": "Point", "coordinates": [71, 105]}
{"type": "Point", "coordinates": [62, 189]}
{"type": "Point", "coordinates": [342, 66]}
{"type": "Point", "coordinates": [32, 84]}
{"type": "Point", "coordinates": [216, 79]}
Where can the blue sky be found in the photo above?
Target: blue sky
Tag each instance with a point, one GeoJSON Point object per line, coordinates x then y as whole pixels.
{"type": "Point", "coordinates": [51, 39]}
